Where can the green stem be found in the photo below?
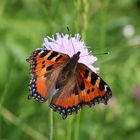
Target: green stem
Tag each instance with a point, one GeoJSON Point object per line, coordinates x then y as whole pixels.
{"type": "Point", "coordinates": [77, 4]}
{"type": "Point", "coordinates": [51, 124]}
{"type": "Point", "coordinates": [85, 18]}
{"type": "Point", "coordinates": [102, 25]}
{"type": "Point", "coordinates": [6, 88]}
{"type": "Point", "coordinates": [69, 128]}
{"type": "Point", "coordinates": [77, 126]}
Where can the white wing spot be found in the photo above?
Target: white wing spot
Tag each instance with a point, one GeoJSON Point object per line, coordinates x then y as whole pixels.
{"type": "Point", "coordinates": [105, 87]}
{"type": "Point", "coordinates": [41, 52]}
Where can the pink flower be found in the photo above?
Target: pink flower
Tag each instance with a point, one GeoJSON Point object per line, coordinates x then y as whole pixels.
{"type": "Point", "coordinates": [136, 93]}
{"type": "Point", "coordinates": [71, 45]}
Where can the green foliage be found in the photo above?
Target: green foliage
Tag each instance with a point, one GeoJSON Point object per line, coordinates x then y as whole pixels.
{"type": "Point", "coordinates": [24, 24]}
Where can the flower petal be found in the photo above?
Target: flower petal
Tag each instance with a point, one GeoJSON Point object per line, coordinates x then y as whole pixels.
{"type": "Point", "coordinates": [71, 45]}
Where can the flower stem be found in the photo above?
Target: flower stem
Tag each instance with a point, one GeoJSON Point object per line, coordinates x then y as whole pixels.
{"type": "Point", "coordinates": [69, 128]}
{"type": "Point", "coordinates": [77, 126]}
{"type": "Point", "coordinates": [51, 124]}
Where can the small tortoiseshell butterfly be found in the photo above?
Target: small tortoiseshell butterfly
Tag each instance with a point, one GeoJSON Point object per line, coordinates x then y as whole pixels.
{"type": "Point", "coordinates": [71, 84]}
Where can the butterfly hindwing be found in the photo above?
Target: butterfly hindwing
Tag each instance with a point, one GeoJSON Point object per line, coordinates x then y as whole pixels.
{"type": "Point", "coordinates": [66, 100]}
{"type": "Point", "coordinates": [45, 66]}
{"type": "Point", "coordinates": [92, 88]}
{"type": "Point", "coordinates": [38, 89]}
{"type": "Point", "coordinates": [83, 88]}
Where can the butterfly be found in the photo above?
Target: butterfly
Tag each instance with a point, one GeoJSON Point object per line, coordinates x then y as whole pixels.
{"type": "Point", "coordinates": [70, 84]}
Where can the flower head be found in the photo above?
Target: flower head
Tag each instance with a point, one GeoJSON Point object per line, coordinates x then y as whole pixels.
{"type": "Point", "coordinates": [70, 46]}
{"type": "Point", "coordinates": [128, 30]}
{"type": "Point", "coordinates": [136, 93]}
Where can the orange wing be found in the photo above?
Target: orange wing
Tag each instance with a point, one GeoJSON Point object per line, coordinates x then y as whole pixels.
{"type": "Point", "coordinates": [86, 88]}
{"type": "Point", "coordinates": [92, 88]}
{"type": "Point", "coordinates": [45, 66]}
{"type": "Point", "coordinates": [66, 100]}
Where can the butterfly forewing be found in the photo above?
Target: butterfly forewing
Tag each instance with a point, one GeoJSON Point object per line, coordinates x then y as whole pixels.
{"type": "Point", "coordinates": [43, 61]}
{"type": "Point", "coordinates": [92, 88]}
{"type": "Point", "coordinates": [45, 66]}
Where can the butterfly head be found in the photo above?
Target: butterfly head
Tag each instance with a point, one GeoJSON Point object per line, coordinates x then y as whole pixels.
{"type": "Point", "coordinates": [76, 56]}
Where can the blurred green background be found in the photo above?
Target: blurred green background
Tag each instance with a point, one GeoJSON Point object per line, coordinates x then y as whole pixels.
{"type": "Point", "coordinates": [105, 25]}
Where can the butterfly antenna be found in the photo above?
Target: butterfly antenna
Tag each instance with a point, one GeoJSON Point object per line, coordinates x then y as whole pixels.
{"type": "Point", "coordinates": [71, 39]}
{"type": "Point", "coordinates": [95, 54]}
{"type": "Point", "coordinates": [101, 53]}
